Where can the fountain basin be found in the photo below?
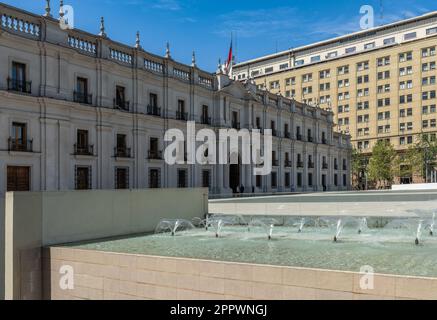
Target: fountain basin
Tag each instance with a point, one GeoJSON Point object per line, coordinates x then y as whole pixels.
{"type": "Point", "coordinates": [107, 275]}
{"type": "Point", "coordinates": [299, 262]}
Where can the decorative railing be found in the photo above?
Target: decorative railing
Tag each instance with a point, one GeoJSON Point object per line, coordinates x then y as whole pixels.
{"type": "Point", "coordinates": [155, 155]}
{"type": "Point", "coordinates": [181, 74]}
{"type": "Point", "coordinates": [81, 97]}
{"type": "Point", "coordinates": [19, 25]}
{"type": "Point", "coordinates": [121, 104]}
{"type": "Point", "coordinates": [122, 152]}
{"type": "Point", "coordinates": [82, 45]}
{"type": "Point", "coordinates": [83, 150]}
{"type": "Point", "coordinates": [153, 66]}
{"type": "Point", "coordinates": [206, 82]}
{"type": "Point", "coordinates": [236, 125]}
{"type": "Point", "coordinates": [120, 56]}
{"type": "Point", "coordinates": [205, 120]}
{"type": "Point", "coordinates": [153, 111]}
{"type": "Point", "coordinates": [20, 85]}
{"type": "Point", "coordinates": [181, 115]}
{"type": "Point", "coordinates": [20, 145]}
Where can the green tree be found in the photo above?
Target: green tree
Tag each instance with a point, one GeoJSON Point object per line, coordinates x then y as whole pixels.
{"type": "Point", "coordinates": [425, 153]}
{"type": "Point", "coordinates": [383, 164]}
{"type": "Point", "coordinates": [358, 167]}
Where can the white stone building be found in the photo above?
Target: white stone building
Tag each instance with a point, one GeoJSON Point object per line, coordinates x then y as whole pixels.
{"type": "Point", "coordinates": [80, 111]}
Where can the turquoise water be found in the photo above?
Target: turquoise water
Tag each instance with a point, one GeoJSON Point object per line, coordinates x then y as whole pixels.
{"type": "Point", "coordinates": [389, 250]}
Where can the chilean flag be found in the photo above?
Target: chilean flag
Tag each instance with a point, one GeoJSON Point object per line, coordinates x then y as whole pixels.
{"type": "Point", "coordinates": [228, 66]}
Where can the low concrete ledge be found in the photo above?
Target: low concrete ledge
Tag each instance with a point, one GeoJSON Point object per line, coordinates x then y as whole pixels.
{"type": "Point", "coordinates": [108, 276]}
{"type": "Point", "coordinates": [369, 204]}
{"type": "Point", "coordinates": [413, 187]}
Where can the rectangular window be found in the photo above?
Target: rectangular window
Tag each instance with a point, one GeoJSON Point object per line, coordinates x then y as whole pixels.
{"type": "Point", "coordinates": [206, 179]}
{"type": "Point", "coordinates": [299, 62]}
{"type": "Point", "coordinates": [18, 178]}
{"type": "Point", "coordinates": [81, 93]}
{"type": "Point", "coordinates": [368, 46]}
{"type": "Point", "coordinates": [153, 100]}
{"type": "Point", "coordinates": [405, 56]}
{"type": "Point", "coordinates": [120, 97]}
{"type": "Point", "coordinates": [299, 179]}
{"type": "Point", "coordinates": [182, 178]}
{"type": "Point", "coordinates": [259, 182]}
{"type": "Point", "coordinates": [315, 59]}
{"type": "Point", "coordinates": [274, 177]}
{"type": "Point", "coordinates": [18, 81]}
{"type": "Point", "coordinates": [82, 144]}
{"type": "Point", "coordinates": [18, 141]}
{"type": "Point", "coordinates": [287, 182]}
{"type": "Point", "coordinates": [121, 178]}
{"type": "Point", "coordinates": [343, 70]}
{"type": "Point", "coordinates": [154, 178]}
{"type": "Point", "coordinates": [154, 152]}
{"type": "Point", "coordinates": [389, 41]}
{"type": "Point", "coordinates": [350, 50]}
{"type": "Point", "coordinates": [409, 36]}
{"type": "Point", "coordinates": [83, 178]}
{"type": "Point", "coordinates": [431, 31]}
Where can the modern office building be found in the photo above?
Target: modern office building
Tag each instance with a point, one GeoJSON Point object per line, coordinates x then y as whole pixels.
{"type": "Point", "coordinates": [379, 83]}
{"type": "Point", "coordinates": [80, 111]}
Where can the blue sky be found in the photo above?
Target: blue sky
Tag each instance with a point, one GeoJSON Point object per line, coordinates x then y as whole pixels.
{"type": "Point", "coordinates": [260, 27]}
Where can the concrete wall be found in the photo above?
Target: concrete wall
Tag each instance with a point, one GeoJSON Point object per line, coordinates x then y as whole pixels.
{"type": "Point", "coordinates": [370, 204]}
{"type": "Point", "coordinates": [35, 220]}
{"type": "Point", "coordinates": [103, 275]}
{"type": "Point", "coordinates": [416, 186]}
{"type": "Point", "coordinates": [2, 247]}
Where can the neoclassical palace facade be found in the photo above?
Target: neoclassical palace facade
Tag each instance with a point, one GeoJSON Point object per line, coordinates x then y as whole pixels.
{"type": "Point", "coordinates": [80, 111]}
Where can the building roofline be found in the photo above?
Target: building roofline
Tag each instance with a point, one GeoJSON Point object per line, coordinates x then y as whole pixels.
{"type": "Point", "coordinates": [336, 39]}
{"type": "Point", "coordinates": [106, 38]}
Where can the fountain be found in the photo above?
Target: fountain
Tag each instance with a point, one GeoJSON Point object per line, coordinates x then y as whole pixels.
{"type": "Point", "coordinates": [302, 224]}
{"type": "Point", "coordinates": [339, 230]}
{"type": "Point", "coordinates": [431, 226]}
{"type": "Point", "coordinates": [362, 225]}
{"type": "Point", "coordinates": [419, 233]}
{"type": "Point", "coordinates": [218, 226]}
{"type": "Point", "coordinates": [266, 224]}
{"type": "Point", "coordinates": [219, 222]}
{"type": "Point", "coordinates": [173, 226]}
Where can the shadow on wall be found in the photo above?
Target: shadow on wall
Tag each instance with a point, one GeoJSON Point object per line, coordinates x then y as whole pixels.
{"type": "Point", "coordinates": [2, 247]}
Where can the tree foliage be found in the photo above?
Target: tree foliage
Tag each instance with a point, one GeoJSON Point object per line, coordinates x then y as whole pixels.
{"type": "Point", "coordinates": [383, 164]}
